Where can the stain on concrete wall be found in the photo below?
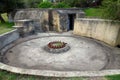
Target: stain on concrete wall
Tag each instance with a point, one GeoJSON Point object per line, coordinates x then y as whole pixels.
{"type": "Point", "coordinates": [104, 30]}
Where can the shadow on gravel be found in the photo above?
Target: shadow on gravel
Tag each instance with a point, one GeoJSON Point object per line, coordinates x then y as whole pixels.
{"type": "Point", "coordinates": [118, 46]}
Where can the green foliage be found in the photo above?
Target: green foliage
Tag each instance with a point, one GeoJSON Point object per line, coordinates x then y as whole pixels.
{"type": "Point", "coordinates": [94, 12]}
{"type": "Point", "coordinates": [113, 77]}
{"type": "Point", "coordinates": [83, 3]}
{"type": "Point", "coordinates": [45, 4]}
{"type": "Point", "coordinates": [5, 27]}
{"type": "Point", "coordinates": [61, 5]}
{"type": "Point", "coordinates": [76, 3]}
{"type": "Point", "coordinates": [111, 9]}
{"type": "Point", "coordinates": [69, 2]}
{"type": "Point", "coordinates": [31, 3]}
{"type": "Point", "coordinates": [45, 0]}
{"type": "Point", "coordinates": [4, 15]}
{"type": "Point", "coordinates": [72, 3]}
{"type": "Point", "coordinates": [4, 75]}
{"type": "Point", "coordinates": [8, 5]}
{"type": "Point", "coordinates": [79, 3]}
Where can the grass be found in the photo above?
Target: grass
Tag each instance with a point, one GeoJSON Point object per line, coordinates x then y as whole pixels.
{"type": "Point", "coordinates": [5, 27]}
{"type": "Point", "coordinates": [113, 77]}
{"type": "Point", "coordinates": [4, 75]}
{"type": "Point", "coordinates": [93, 12]}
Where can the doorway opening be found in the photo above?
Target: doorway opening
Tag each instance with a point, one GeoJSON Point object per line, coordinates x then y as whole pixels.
{"type": "Point", "coordinates": [118, 46]}
{"type": "Point", "coordinates": [71, 18]}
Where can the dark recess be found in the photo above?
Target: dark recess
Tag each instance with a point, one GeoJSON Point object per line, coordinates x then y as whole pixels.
{"type": "Point", "coordinates": [118, 46]}
{"type": "Point", "coordinates": [71, 21]}
{"type": "Point", "coordinates": [50, 20]}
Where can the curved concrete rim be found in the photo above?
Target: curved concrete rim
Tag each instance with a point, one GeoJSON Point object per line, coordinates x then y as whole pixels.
{"type": "Point", "coordinates": [52, 73]}
{"type": "Point", "coordinates": [58, 73]}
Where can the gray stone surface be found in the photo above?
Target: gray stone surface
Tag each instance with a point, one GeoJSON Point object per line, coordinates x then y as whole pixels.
{"type": "Point", "coordinates": [25, 27]}
{"type": "Point", "coordinates": [84, 55]}
{"type": "Point", "coordinates": [64, 21]}
{"type": "Point", "coordinates": [8, 37]}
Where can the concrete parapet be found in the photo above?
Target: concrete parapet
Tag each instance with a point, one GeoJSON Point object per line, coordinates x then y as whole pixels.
{"type": "Point", "coordinates": [107, 31]}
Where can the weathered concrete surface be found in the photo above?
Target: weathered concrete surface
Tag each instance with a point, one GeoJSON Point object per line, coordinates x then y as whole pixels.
{"type": "Point", "coordinates": [104, 30]}
{"type": "Point", "coordinates": [25, 27]}
{"type": "Point", "coordinates": [8, 37]}
{"type": "Point", "coordinates": [40, 18]}
{"type": "Point", "coordinates": [84, 55]}
{"type": "Point", "coordinates": [56, 21]}
{"type": "Point", "coordinates": [56, 73]}
{"type": "Point", "coordinates": [61, 20]}
{"type": "Point", "coordinates": [48, 19]}
{"type": "Point", "coordinates": [118, 39]}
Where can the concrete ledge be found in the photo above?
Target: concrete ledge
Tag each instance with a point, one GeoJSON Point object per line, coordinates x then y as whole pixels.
{"type": "Point", "coordinates": [58, 73]}
{"type": "Point", "coordinates": [8, 37]}
{"type": "Point", "coordinates": [105, 30]}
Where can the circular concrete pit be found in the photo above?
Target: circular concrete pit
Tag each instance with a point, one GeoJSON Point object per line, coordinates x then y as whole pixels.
{"type": "Point", "coordinates": [84, 55]}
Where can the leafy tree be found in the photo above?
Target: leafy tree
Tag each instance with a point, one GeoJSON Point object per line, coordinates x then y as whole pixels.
{"type": "Point", "coordinates": [60, 5]}
{"type": "Point", "coordinates": [45, 0]}
{"type": "Point", "coordinates": [45, 4]}
{"type": "Point", "coordinates": [111, 9]}
{"type": "Point", "coordinates": [74, 3]}
{"type": "Point", "coordinates": [83, 3]}
{"type": "Point", "coordinates": [91, 3]}
{"type": "Point", "coordinates": [6, 6]}
{"type": "Point", "coordinates": [31, 3]}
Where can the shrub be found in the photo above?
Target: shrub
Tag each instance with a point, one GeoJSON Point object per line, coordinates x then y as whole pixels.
{"type": "Point", "coordinates": [111, 9]}
{"type": "Point", "coordinates": [45, 5]}
{"type": "Point", "coordinates": [61, 5]}
{"type": "Point", "coordinates": [83, 3]}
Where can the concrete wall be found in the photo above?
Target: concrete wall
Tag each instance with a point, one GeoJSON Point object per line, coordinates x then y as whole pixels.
{"type": "Point", "coordinates": [56, 21]}
{"type": "Point", "coordinates": [8, 37]}
{"type": "Point", "coordinates": [64, 21]}
{"type": "Point", "coordinates": [118, 40]}
{"type": "Point", "coordinates": [40, 17]}
{"type": "Point", "coordinates": [104, 30]}
{"type": "Point", "coordinates": [60, 21]}
{"type": "Point", "coordinates": [48, 19]}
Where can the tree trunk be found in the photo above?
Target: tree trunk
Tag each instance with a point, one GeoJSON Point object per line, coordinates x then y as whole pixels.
{"type": "Point", "coordinates": [1, 19]}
